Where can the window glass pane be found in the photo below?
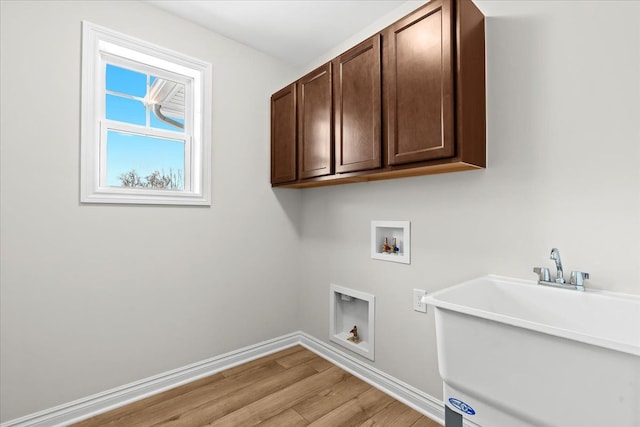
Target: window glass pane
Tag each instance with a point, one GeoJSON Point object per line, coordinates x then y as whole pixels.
{"type": "Point", "coordinates": [125, 110]}
{"type": "Point", "coordinates": [159, 124]}
{"type": "Point", "coordinates": [126, 81]}
{"type": "Point", "coordinates": [144, 162]}
{"type": "Point", "coordinates": [167, 104]}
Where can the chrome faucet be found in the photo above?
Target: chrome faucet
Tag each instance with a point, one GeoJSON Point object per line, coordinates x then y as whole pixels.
{"type": "Point", "coordinates": [555, 255]}
{"type": "Point", "coordinates": [544, 277]}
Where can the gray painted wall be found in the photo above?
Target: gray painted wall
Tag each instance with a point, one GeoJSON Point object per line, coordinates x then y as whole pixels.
{"type": "Point", "coordinates": [563, 139]}
{"type": "Point", "coordinates": [94, 297]}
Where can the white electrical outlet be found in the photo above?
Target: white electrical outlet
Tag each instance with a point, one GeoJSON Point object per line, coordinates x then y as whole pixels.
{"type": "Point", "coordinates": [418, 305]}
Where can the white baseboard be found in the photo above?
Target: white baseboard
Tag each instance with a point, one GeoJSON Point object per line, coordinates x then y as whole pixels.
{"type": "Point", "coordinates": [88, 407]}
{"type": "Point", "coordinates": [102, 402]}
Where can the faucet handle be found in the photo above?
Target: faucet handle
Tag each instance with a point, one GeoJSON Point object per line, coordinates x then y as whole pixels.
{"type": "Point", "coordinates": [543, 274]}
{"type": "Point", "coordinates": [578, 277]}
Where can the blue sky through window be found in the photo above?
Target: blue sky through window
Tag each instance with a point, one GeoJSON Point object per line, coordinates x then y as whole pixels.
{"type": "Point", "coordinates": [127, 151]}
{"type": "Point", "coordinates": [126, 110]}
{"type": "Point", "coordinates": [142, 153]}
{"type": "Point", "coordinates": [126, 81]}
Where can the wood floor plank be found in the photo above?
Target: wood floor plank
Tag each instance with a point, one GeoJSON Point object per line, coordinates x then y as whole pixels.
{"type": "Point", "coordinates": [319, 364]}
{"type": "Point", "coordinates": [396, 414]}
{"type": "Point", "coordinates": [172, 407]}
{"type": "Point", "coordinates": [125, 411]}
{"type": "Point", "coordinates": [356, 411]}
{"type": "Point", "coordinates": [287, 397]}
{"type": "Point", "coordinates": [262, 360]}
{"type": "Point", "coordinates": [288, 418]}
{"type": "Point", "coordinates": [296, 358]}
{"type": "Point", "coordinates": [425, 422]}
{"type": "Point", "coordinates": [293, 388]}
{"type": "Point", "coordinates": [241, 399]}
{"type": "Point", "coordinates": [327, 400]}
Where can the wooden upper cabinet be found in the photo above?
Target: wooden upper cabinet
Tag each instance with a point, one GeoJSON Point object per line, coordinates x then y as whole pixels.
{"type": "Point", "coordinates": [357, 105]}
{"type": "Point", "coordinates": [315, 138]}
{"type": "Point", "coordinates": [283, 135]}
{"type": "Point", "coordinates": [420, 86]}
{"type": "Point", "coordinates": [408, 101]}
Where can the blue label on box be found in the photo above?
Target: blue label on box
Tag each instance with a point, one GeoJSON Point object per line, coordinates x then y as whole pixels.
{"type": "Point", "coordinates": [459, 404]}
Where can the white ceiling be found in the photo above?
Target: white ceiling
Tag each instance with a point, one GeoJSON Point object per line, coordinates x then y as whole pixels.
{"type": "Point", "coordinates": [295, 31]}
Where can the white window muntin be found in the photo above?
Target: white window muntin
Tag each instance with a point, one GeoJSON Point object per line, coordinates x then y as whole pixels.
{"type": "Point", "coordinates": [106, 125]}
{"type": "Point", "coordinates": [189, 83]}
{"type": "Point", "coordinates": [198, 75]}
{"type": "Point", "coordinates": [173, 71]}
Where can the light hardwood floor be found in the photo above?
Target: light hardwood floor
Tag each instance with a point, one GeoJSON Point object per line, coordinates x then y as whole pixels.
{"type": "Point", "coordinates": [293, 387]}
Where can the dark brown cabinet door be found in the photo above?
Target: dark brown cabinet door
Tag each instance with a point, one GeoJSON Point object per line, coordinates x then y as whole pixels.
{"type": "Point", "coordinates": [315, 148]}
{"type": "Point", "coordinates": [283, 135]}
{"type": "Point", "coordinates": [408, 101]}
{"type": "Point", "coordinates": [419, 84]}
{"type": "Point", "coordinates": [356, 89]}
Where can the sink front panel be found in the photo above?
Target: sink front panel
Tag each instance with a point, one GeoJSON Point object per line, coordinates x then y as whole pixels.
{"type": "Point", "coordinates": [536, 378]}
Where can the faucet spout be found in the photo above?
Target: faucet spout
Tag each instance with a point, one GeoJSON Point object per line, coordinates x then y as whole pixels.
{"type": "Point", "coordinates": [576, 281]}
{"type": "Point", "coordinates": [555, 255]}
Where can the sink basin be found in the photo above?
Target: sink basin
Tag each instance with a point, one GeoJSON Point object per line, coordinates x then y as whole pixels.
{"type": "Point", "coordinates": [514, 353]}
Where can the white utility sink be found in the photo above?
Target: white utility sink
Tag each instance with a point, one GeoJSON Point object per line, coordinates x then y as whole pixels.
{"type": "Point", "coordinates": [514, 353]}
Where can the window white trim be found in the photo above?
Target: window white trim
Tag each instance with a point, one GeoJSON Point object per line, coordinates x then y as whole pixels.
{"type": "Point", "coordinates": [100, 45]}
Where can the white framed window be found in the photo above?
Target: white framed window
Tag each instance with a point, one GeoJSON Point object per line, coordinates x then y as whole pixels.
{"type": "Point", "coordinates": [146, 124]}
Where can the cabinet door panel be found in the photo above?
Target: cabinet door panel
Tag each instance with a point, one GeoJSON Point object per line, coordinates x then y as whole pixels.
{"type": "Point", "coordinates": [314, 123]}
{"type": "Point", "coordinates": [283, 135]}
{"type": "Point", "coordinates": [420, 86]}
{"type": "Point", "coordinates": [357, 107]}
